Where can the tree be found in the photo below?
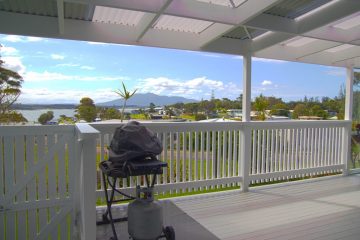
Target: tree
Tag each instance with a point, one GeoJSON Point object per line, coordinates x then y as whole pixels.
{"type": "Point", "coordinates": [10, 90]}
{"type": "Point", "coordinates": [126, 95]}
{"type": "Point", "coordinates": [260, 105]}
{"type": "Point", "coordinates": [11, 117]}
{"type": "Point", "coordinates": [110, 113]}
{"type": "Point", "coordinates": [280, 109]}
{"type": "Point", "coordinates": [87, 109]}
{"type": "Point", "coordinates": [300, 110]}
{"type": "Point", "coordinates": [45, 117]}
{"type": "Point", "coordinates": [152, 107]}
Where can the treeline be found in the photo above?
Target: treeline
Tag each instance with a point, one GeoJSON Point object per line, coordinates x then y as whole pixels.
{"type": "Point", "coordinates": [269, 105]}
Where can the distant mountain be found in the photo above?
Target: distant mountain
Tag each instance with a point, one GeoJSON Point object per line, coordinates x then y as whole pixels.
{"type": "Point", "coordinates": [144, 100]}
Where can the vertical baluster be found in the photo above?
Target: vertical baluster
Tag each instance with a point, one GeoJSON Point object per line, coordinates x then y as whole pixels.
{"type": "Point", "coordinates": [171, 165]}
{"type": "Point", "coordinates": [229, 158]}
{"type": "Point", "coordinates": [331, 147]}
{"type": "Point", "coordinates": [178, 141]}
{"type": "Point", "coordinates": [301, 148]}
{"type": "Point", "coordinates": [312, 142]}
{"type": "Point", "coordinates": [196, 176]}
{"type": "Point", "coordinates": [268, 151]}
{"type": "Point", "coordinates": [272, 153]}
{"type": "Point", "coordinates": [292, 150]}
{"type": "Point", "coordinates": [9, 183]}
{"type": "Point", "coordinates": [281, 150]}
{"type": "Point", "coordinates": [253, 165]}
{"type": "Point", "coordinates": [287, 145]}
{"type": "Point", "coordinates": [207, 156]}
{"type": "Point", "coordinates": [102, 158]}
{"type": "Point", "coordinates": [296, 142]}
{"type": "Point", "coordinates": [184, 149]}
{"type": "Point", "coordinates": [308, 130]}
{"type": "Point", "coordinates": [322, 147]}
{"type": "Point", "coordinates": [239, 153]}
{"type": "Point", "coordinates": [335, 146]}
{"type": "Point", "coordinates": [213, 156]}
{"type": "Point", "coordinates": [258, 152]}
{"type": "Point", "coordinates": [293, 147]}
{"type": "Point", "coordinates": [277, 152]}
{"type": "Point", "coordinates": [202, 157]}
{"type": "Point", "coordinates": [51, 180]}
{"type": "Point", "coordinates": [190, 158]}
{"type": "Point", "coordinates": [235, 154]}
{"type": "Point", "coordinates": [31, 186]}
{"type": "Point", "coordinates": [263, 149]}
{"type": "Point", "coordinates": [165, 157]}
{"type": "Point", "coordinates": [2, 186]}
{"type": "Point", "coordinates": [224, 155]}
{"type": "Point", "coordinates": [326, 140]}
{"type": "Point", "coordinates": [19, 175]}
{"type": "Point", "coordinates": [218, 162]}
{"type": "Point", "coordinates": [41, 180]}
{"type": "Point", "coordinates": [337, 138]}
{"type": "Point", "coordinates": [62, 182]}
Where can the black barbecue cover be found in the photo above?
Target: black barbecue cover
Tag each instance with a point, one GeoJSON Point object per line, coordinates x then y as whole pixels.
{"type": "Point", "coordinates": [134, 141]}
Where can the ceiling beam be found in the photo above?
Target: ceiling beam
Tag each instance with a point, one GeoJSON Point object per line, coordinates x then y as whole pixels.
{"type": "Point", "coordinates": [290, 28]}
{"type": "Point", "coordinates": [246, 12]}
{"type": "Point", "coordinates": [153, 20]}
{"type": "Point", "coordinates": [60, 8]}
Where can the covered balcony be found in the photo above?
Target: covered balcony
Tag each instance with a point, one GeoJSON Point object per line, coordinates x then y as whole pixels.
{"type": "Point", "coordinates": [49, 181]}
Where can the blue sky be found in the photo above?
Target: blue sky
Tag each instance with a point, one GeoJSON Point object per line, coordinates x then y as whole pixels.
{"type": "Point", "coordinates": [64, 71]}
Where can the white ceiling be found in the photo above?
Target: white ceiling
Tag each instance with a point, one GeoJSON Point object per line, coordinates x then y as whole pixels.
{"type": "Point", "coordinates": [312, 31]}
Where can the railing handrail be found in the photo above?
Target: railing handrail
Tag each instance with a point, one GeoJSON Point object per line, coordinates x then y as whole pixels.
{"type": "Point", "coordinates": [224, 126]}
{"type": "Point", "coordinates": [35, 130]}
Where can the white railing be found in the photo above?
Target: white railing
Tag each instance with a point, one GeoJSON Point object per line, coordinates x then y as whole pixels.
{"type": "Point", "coordinates": [198, 155]}
{"type": "Point", "coordinates": [48, 173]}
{"type": "Point", "coordinates": [37, 181]}
{"type": "Point", "coordinates": [287, 150]}
{"type": "Point", "coordinates": [217, 155]}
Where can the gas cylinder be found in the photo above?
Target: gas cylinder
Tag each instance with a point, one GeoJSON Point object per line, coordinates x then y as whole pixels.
{"type": "Point", "coordinates": [145, 219]}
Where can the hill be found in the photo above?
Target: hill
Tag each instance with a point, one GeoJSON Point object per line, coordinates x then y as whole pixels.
{"type": "Point", "coordinates": [144, 100]}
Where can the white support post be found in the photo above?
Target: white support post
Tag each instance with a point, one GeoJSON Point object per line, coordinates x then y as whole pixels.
{"type": "Point", "coordinates": [246, 131]}
{"type": "Point", "coordinates": [348, 116]}
{"type": "Point", "coordinates": [87, 196]}
{"type": "Point", "coordinates": [246, 101]}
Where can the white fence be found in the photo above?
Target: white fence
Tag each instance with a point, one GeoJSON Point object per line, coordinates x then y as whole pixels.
{"type": "Point", "coordinates": [216, 155]}
{"type": "Point", "coordinates": [37, 176]}
{"type": "Point", "coordinates": [48, 173]}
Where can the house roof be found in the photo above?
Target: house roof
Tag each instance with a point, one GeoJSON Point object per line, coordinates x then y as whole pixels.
{"type": "Point", "coordinates": [323, 32]}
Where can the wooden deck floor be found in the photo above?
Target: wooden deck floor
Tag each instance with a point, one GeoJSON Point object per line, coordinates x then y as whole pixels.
{"type": "Point", "coordinates": [325, 209]}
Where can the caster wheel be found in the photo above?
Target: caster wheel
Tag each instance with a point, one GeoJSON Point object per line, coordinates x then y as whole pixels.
{"type": "Point", "coordinates": [169, 233]}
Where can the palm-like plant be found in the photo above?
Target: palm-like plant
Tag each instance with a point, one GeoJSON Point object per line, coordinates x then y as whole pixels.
{"type": "Point", "coordinates": [126, 95]}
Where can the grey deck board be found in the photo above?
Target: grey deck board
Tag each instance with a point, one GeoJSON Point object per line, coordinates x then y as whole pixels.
{"type": "Point", "coordinates": [325, 209]}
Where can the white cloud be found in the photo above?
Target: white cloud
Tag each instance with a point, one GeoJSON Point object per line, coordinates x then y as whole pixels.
{"type": "Point", "coordinates": [334, 71]}
{"type": "Point", "coordinates": [268, 60]}
{"type": "Point", "coordinates": [87, 68]}
{"type": "Point", "coordinates": [57, 56]}
{"type": "Point", "coordinates": [15, 38]}
{"type": "Point", "coordinates": [266, 82]}
{"type": "Point", "coordinates": [12, 38]}
{"type": "Point", "coordinates": [255, 59]}
{"type": "Point", "coordinates": [67, 65]}
{"type": "Point", "coordinates": [40, 95]}
{"type": "Point", "coordinates": [97, 43]}
{"type": "Point", "coordinates": [15, 64]}
{"type": "Point", "coordinates": [171, 87]}
{"type": "Point", "coordinates": [34, 39]}
{"type": "Point", "coordinates": [54, 76]}
{"type": "Point", "coordinates": [8, 51]}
